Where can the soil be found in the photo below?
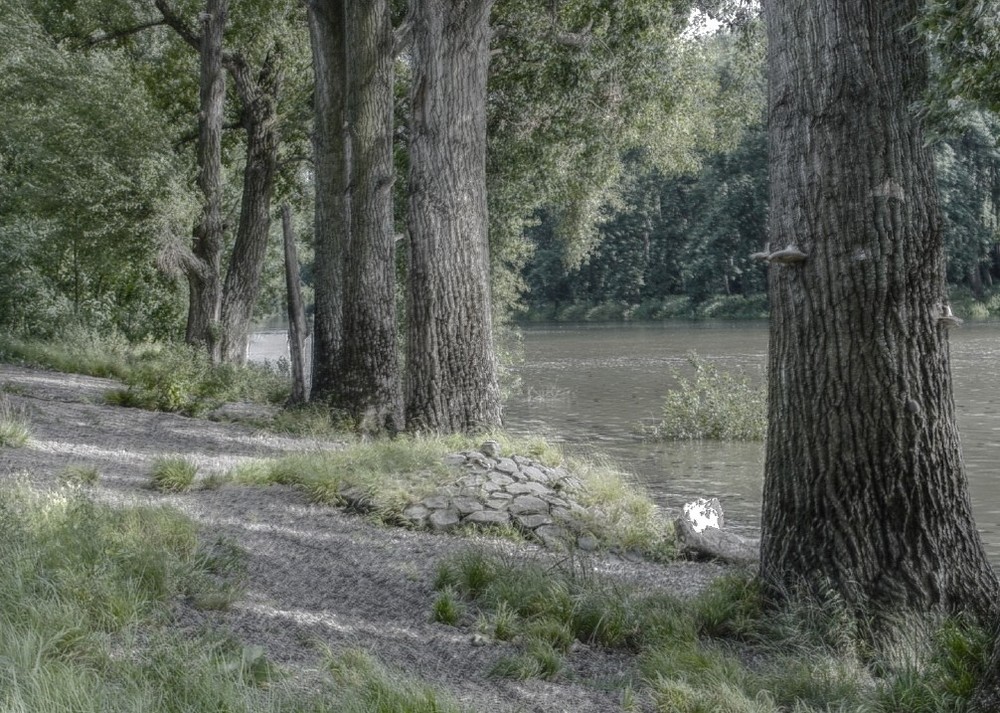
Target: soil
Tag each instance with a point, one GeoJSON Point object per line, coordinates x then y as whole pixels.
{"type": "Point", "coordinates": [317, 577]}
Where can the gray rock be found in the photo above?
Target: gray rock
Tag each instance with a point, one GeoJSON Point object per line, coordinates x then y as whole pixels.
{"type": "Point", "coordinates": [416, 515]}
{"type": "Point", "coordinates": [490, 449]}
{"type": "Point", "coordinates": [437, 502]}
{"type": "Point", "coordinates": [454, 459]}
{"type": "Point", "coordinates": [530, 522]}
{"type": "Point", "coordinates": [587, 543]}
{"type": "Point", "coordinates": [498, 503]}
{"type": "Point", "coordinates": [528, 505]}
{"type": "Point", "coordinates": [487, 517]}
{"type": "Point", "coordinates": [506, 465]}
{"type": "Point", "coordinates": [490, 486]}
{"type": "Point", "coordinates": [441, 520]}
{"type": "Point", "coordinates": [481, 461]}
{"type": "Point", "coordinates": [522, 461]}
{"type": "Point", "coordinates": [533, 473]}
{"type": "Point", "coordinates": [551, 536]}
{"type": "Point", "coordinates": [464, 506]}
{"type": "Point", "coordinates": [527, 489]}
{"type": "Point", "coordinates": [500, 479]}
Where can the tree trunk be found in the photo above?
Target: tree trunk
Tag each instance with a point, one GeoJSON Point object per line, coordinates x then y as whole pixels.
{"type": "Point", "coordinates": [204, 270]}
{"type": "Point", "coordinates": [329, 151]}
{"type": "Point", "coordinates": [296, 312]}
{"type": "Point", "coordinates": [368, 388]}
{"type": "Point", "coordinates": [451, 380]}
{"type": "Point", "coordinates": [259, 97]}
{"type": "Point", "coordinates": [865, 488]}
{"type": "Point", "coordinates": [361, 378]}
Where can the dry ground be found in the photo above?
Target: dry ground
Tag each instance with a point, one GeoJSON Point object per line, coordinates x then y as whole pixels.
{"type": "Point", "coordinates": [315, 574]}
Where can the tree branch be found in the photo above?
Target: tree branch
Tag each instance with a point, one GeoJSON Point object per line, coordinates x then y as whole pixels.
{"type": "Point", "coordinates": [120, 34]}
{"type": "Point", "coordinates": [177, 23]}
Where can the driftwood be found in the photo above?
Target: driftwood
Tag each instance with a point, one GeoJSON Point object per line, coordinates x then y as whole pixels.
{"type": "Point", "coordinates": [714, 543]}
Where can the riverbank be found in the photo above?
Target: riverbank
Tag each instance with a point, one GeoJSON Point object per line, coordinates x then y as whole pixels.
{"type": "Point", "coordinates": [317, 578]}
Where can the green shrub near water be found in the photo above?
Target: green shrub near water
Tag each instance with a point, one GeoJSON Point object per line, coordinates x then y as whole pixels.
{"type": "Point", "coordinates": [713, 405]}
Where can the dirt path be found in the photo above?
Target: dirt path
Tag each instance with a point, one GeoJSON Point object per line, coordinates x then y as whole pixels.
{"type": "Point", "coordinates": [315, 575]}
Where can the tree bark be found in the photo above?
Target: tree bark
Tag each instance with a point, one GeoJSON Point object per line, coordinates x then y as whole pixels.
{"type": "Point", "coordinates": [865, 488]}
{"type": "Point", "coordinates": [329, 151]}
{"type": "Point", "coordinates": [451, 381]}
{"type": "Point", "coordinates": [203, 273]}
{"type": "Point", "coordinates": [259, 97]}
{"type": "Point", "coordinates": [296, 312]}
{"type": "Point", "coordinates": [363, 376]}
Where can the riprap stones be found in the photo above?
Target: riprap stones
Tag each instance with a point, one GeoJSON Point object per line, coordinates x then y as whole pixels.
{"type": "Point", "coordinates": [493, 490]}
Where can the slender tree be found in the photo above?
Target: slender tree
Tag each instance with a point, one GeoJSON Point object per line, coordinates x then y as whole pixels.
{"type": "Point", "coordinates": [451, 382]}
{"type": "Point", "coordinates": [360, 377]}
{"type": "Point", "coordinates": [865, 489]}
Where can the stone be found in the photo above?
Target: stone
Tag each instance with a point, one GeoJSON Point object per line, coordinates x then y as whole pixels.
{"type": "Point", "coordinates": [551, 536]}
{"type": "Point", "coordinates": [416, 515]}
{"type": "Point", "coordinates": [487, 517]}
{"type": "Point", "coordinates": [498, 503]}
{"type": "Point", "coordinates": [478, 459]}
{"type": "Point", "coordinates": [587, 543]}
{"type": "Point", "coordinates": [464, 506]}
{"type": "Point", "coordinates": [501, 479]}
{"type": "Point", "coordinates": [454, 459]}
{"type": "Point", "coordinates": [526, 489]}
{"type": "Point", "coordinates": [556, 501]}
{"type": "Point", "coordinates": [533, 473]}
{"type": "Point", "coordinates": [528, 505]}
{"type": "Point", "coordinates": [530, 522]}
{"type": "Point", "coordinates": [441, 520]}
{"type": "Point", "coordinates": [521, 460]}
{"type": "Point", "coordinates": [490, 449]}
{"type": "Point", "coordinates": [474, 480]}
{"type": "Point", "coordinates": [490, 486]}
{"type": "Point", "coordinates": [506, 465]}
{"type": "Point", "coordinates": [436, 502]}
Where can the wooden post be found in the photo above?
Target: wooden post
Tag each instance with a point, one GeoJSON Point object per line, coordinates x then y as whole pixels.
{"type": "Point", "coordinates": [296, 313]}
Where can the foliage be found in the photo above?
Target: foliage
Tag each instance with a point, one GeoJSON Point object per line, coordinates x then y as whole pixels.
{"type": "Point", "coordinates": [80, 475]}
{"type": "Point", "coordinates": [173, 474]}
{"type": "Point", "coordinates": [714, 405]}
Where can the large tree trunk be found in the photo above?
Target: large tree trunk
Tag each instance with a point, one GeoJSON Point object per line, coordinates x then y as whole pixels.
{"type": "Point", "coordinates": [451, 381]}
{"type": "Point", "coordinates": [361, 378]}
{"type": "Point", "coordinates": [203, 272]}
{"type": "Point", "coordinates": [865, 488]}
{"type": "Point", "coordinates": [368, 386]}
{"type": "Point", "coordinates": [259, 96]}
{"type": "Point", "coordinates": [330, 158]}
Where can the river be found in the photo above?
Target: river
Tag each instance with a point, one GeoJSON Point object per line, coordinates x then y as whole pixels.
{"type": "Point", "coordinates": [588, 386]}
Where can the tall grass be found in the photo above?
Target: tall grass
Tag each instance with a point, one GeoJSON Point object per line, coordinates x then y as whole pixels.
{"type": "Point", "coordinates": [87, 591]}
{"type": "Point", "coordinates": [164, 377]}
{"type": "Point", "coordinates": [15, 429]}
{"type": "Point", "coordinates": [722, 650]}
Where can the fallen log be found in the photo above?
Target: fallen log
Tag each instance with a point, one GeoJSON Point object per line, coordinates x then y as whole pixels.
{"type": "Point", "coordinates": [715, 543]}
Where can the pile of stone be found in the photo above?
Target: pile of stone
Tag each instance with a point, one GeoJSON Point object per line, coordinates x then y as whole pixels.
{"type": "Point", "coordinates": [497, 491]}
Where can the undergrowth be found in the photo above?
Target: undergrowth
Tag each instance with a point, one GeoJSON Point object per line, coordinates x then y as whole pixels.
{"type": "Point", "coordinates": [722, 650]}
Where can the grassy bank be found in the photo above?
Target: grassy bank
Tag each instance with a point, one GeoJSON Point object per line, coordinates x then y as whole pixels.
{"type": "Point", "coordinates": [88, 592]}
{"type": "Point", "coordinates": [721, 651]}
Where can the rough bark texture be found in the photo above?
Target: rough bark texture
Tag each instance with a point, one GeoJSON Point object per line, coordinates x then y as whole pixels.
{"type": "Point", "coordinates": [865, 488]}
{"type": "Point", "coordinates": [363, 377]}
{"type": "Point", "coordinates": [329, 146]}
{"type": "Point", "coordinates": [203, 273]}
{"type": "Point", "coordinates": [259, 96]}
{"type": "Point", "coordinates": [296, 311]}
{"type": "Point", "coordinates": [451, 382]}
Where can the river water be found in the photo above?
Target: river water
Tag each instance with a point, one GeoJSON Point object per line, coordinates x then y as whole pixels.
{"type": "Point", "coordinates": [590, 386]}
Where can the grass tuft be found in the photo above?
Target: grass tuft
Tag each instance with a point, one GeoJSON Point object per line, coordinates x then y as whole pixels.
{"type": "Point", "coordinates": [85, 475]}
{"type": "Point", "coordinates": [15, 430]}
{"type": "Point", "coordinates": [173, 474]}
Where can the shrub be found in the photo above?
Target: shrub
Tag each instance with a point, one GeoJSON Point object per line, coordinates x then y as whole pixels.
{"type": "Point", "coordinates": [80, 475]}
{"type": "Point", "coordinates": [714, 405]}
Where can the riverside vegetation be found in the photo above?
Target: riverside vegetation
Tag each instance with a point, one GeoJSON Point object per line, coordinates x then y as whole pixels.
{"type": "Point", "coordinates": [86, 582]}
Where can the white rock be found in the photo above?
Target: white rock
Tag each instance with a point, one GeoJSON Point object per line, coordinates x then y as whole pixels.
{"type": "Point", "coordinates": [703, 513]}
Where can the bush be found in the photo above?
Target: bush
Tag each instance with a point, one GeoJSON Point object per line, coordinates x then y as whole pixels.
{"type": "Point", "coordinates": [714, 405]}
{"type": "Point", "coordinates": [14, 428]}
